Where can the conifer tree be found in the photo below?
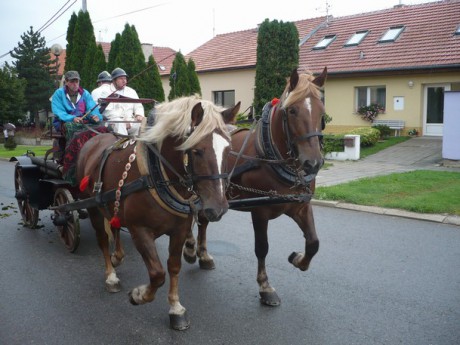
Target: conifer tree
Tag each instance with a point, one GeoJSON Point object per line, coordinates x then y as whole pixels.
{"type": "Point", "coordinates": [12, 101]}
{"type": "Point", "coordinates": [32, 63]}
{"type": "Point", "coordinates": [195, 87]}
{"type": "Point", "coordinates": [114, 49]}
{"type": "Point", "coordinates": [179, 78]}
{"type": "Point", "coordinates": [277, 56]}
{"type": "Point", "coordinates": [153, 85]}
{"type": "Point", "coordinates": [69, 38]}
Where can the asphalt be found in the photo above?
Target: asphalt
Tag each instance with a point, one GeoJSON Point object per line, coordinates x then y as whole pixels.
{"type": "Point", "coordinates": [418, 153]}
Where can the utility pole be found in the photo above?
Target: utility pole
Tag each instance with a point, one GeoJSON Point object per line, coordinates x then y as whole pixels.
{"type": "Point", "coordinates": [83, 6]}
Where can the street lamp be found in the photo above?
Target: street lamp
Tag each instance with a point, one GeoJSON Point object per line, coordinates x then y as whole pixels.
{"type": "Point", "coordinates": [56, 50]}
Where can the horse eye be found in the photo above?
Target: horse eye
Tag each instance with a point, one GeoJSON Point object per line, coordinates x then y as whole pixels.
{"type": "Point", "coordinates": [198, 152]}
{"type": "Point", "coordinates": [292, 111]}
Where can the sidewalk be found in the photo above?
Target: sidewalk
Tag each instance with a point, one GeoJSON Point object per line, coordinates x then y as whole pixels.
{"type": "Point", "coordinates": [419, 153]}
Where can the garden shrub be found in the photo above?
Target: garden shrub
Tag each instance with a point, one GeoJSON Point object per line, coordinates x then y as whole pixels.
{"type": "Point", "coordinates": [332, 143]}
{"type": "Point", "coordinates": [10, 143]}
{"type": "Point", "coordinates": [369, 135]}
{"type": "Point", "coordinates": [384, 130]}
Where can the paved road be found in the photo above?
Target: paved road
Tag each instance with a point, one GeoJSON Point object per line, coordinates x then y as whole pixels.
{"type": "Point", "coordinates": [376, 280]}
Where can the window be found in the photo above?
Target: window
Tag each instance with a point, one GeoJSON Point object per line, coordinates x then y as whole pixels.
{"type": "Point", "coordinates": [224, 98]}
{"type": "Point", "coordinates": [325, 42]}
{"type": "Point", "coordinates": [367, 95]}
{"type": "Point", "coordinates": [357, 38]}
{"type": "Point", "coordinates": [457, 32]}
{"type": "Point", "coordinates": [392, 34]}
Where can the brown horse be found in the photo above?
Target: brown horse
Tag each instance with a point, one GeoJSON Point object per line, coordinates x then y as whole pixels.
{"type": "Point", "coordinates": [282, 154]}
{"type": "Point", "coordinates": [161, 180]}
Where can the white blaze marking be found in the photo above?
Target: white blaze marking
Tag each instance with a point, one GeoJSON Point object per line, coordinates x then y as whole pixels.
{"type": "Point", "coordinates": [219, 143]}
{"type": "Point", "coordinates": [308, 103]}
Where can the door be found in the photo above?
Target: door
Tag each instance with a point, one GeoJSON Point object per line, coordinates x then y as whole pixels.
{"type": "Point", "coordinates": [433, 113]}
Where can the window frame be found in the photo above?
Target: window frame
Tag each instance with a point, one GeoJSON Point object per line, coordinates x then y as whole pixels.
{"type": "Point", "coordinates": [370, 97]}
{"type": "Point", "coordinates": [222, 102]}
{"type": "Point", "coordinates": [325, 42]}
{"type": "Point", "coordinates": [397, 31]}
{"type": "Point", "coordinates": [364, 33]}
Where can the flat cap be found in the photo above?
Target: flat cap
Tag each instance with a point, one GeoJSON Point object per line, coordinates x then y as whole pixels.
{"type": "Point", "coordinates": [72, 75]}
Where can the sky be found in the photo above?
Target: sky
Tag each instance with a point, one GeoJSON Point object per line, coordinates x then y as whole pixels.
{"type": "Point", "coordinates": [178, 24]}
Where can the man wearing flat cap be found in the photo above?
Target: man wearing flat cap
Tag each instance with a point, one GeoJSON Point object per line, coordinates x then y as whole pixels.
{"type": "Point", "coordinates": [71, 102]}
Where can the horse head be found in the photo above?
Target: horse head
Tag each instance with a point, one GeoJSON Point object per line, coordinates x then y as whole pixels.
{"type": "Point", "coordinates": [302, 114]}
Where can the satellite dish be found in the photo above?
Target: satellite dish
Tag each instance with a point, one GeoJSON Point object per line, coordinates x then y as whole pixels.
{"type": "Point", "coordinates": [56, 49]}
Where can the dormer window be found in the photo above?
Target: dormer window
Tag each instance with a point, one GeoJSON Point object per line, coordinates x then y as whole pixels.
{"type": "Point", "coordinates": [356, 38]}
{"type": "Point", "coordinates": [325, 42]}
{"type": "Point", "coordinates": [392, 34]}
{"type": "Point", "coordinates": [457, 32]}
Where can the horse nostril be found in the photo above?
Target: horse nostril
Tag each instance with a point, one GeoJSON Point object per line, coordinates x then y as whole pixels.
{"type": "Point", "coordinates": [214, 215]}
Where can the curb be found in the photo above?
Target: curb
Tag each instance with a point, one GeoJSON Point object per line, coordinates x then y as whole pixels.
{"type": "Point", "coordinates": [437, 218]}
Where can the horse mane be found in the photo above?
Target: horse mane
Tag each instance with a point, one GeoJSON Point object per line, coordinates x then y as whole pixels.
{"type": "Point", "coordinates": [174, 119]}
{"type": "Point", "coordinates": [305, 87]}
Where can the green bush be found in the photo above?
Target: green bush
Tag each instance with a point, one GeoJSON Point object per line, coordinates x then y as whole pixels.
{"type": "Point", "coordinates": [10, 143]}
{"type": "Point", "coordinates": [369, 135]}
{"type": "Point", "coordinates": [332, 143]}
{"type": "Point", "coordinates": [385, 131]}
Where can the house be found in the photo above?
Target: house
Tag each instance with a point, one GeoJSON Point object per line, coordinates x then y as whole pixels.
{"type": "Point", "coordinates": [404, 58]}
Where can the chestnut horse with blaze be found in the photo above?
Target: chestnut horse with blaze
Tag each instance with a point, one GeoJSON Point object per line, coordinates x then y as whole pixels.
{"type": "Point", "coordinates": [282, 154]}
{"type": "Point", "coordinates": [188, 140]}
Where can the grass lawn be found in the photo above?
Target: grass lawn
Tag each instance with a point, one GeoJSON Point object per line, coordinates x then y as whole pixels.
{"type": "Point", "coordinates": [422, 191]}
{"type": "Point", "coordinates": [381, 145]}
{"type": "Point", "coordinates": [21, 149]}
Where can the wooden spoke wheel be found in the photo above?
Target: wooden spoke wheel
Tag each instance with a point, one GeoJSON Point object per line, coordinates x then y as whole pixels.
{"type": "Point", "coordinates": [28, 213]}
{"type": "Point", "coordinates": [67, 223]}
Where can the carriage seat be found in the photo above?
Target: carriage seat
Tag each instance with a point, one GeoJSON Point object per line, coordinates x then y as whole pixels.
{"type": "Point", "coordinates": [397, 125]}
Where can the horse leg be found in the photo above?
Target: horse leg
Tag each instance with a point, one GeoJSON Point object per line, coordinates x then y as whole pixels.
{"type": "Point", "coordinates": [178, 318]}
{"type": "Point", "coordinates": [189, 247]}
{"type": "Point", "coordinates": [268, 295]}
{"type": "Point", "coordinates": [145, 245]}
{"type": "Point", "coordinates": [206, 261]}
{"type": "Point", "coordinates": [112, 283]}
{"type": "Point", "coordinates": [119, 254]}
{"type": "Point", "coordinates": [304, 219]}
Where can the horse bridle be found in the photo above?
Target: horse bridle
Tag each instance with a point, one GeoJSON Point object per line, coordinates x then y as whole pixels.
{"type": "Point", "coordinates": [290, 142]}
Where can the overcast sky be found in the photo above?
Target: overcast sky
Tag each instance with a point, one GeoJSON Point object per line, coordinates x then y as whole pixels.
{"type": "Point", "coordinates": [179, 24]}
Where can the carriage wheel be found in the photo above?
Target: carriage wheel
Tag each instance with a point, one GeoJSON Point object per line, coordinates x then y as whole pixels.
{"type": "Point", "coordinates": [28, 213]}
{"type": "Point", "coordinates": [68, 222]}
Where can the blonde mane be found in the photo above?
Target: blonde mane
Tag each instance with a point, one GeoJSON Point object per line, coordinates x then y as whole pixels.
{"type": "Point", "coordinates": [304, 88]}
{"type": "Point", "coordinates": [174, 119]}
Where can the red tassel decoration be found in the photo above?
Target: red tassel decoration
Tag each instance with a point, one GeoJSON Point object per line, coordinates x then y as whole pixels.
{"type": "Point", "coordinates": [275, 101]}
{"type": "Point", "coordinates": [115, 222]}
{"type": "Point", "coordinates": [84, 183]}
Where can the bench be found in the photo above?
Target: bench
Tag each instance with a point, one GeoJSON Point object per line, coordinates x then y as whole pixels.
{"type": "Point", "coordinates": [397, 125]}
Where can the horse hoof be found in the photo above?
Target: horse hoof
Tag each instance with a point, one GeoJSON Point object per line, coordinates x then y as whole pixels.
{"type": "Point", "coordinates": [292, 257]}
{"type": "Point", "coordinates": [207, 265]}
{"type": "Point", "coordinates": [269, 298]}
{"type": "Point", "coordinates": [116, 287]}
{"type": "Point", "coordinates": [190, 259]}
{"type": "Point", "coordinates": [179, 322]}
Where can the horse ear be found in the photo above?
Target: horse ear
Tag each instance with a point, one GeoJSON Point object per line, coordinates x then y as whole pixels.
{"type": "Point", "coordinates": [229, 114]}
{"type": "Point", "coordinates": [197, 114]}
{"type": "Point", "coordinates": [293, 80]}
{"type": "Point", "coordinates": [321, 79]}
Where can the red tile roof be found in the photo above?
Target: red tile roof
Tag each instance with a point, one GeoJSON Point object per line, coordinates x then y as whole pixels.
{"type": "Point", "coordinates": [237, 49]}
{"type": "Point", "coordinates": [428, 40]}
{"type": "Point", "coordinates": [164, 57]}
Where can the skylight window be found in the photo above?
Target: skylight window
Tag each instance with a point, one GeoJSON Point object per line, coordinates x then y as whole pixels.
{"type": "Point", "coordinates": [392, 34]}
{"type": "Point", "coordinates": [457, 32]}
{"type": "Point", "coordinates": [325, 42]}
{"type": "Point", "coordinates": [357, 38]}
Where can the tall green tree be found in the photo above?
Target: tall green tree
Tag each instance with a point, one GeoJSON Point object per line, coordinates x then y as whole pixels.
{"type": "Point", "coordinates": [114, 50]}
{"type": "Point", "coordinates": [83, 50]}
{"type": "Point", "coordinates": [195, 87]}
{"type": "Point", "coordinates": [131, 58]}
{"type": "Point", "coordinates": [152, 78]}
{"type": "Point", "coordinates": [69, 38]}
{"type": "Point", "coordinates": [12, 100]}
{"type": "Point", "coordinates": [179, 80]}
{"type": "Point", "coordinates": [277, 56]}
{"type": "Point", "coordinates": [32, 63]}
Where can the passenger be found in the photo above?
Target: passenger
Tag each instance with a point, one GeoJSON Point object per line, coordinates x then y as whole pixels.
{"type": "Point", "coordinates": [73, 107]}
{"type": "Point", "coordinates": [103, 89]}
{"type": "Point", "coordinates": [128, 112]}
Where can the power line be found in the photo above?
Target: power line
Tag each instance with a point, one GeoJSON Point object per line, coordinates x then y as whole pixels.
{"type": "Point", "coordinates": [47, 24]}
{"type": "Point", "coordinates": [124, 14]}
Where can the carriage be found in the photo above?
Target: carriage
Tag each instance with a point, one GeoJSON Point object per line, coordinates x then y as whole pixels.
{"type": "Point", "coordinates": [268, 170]}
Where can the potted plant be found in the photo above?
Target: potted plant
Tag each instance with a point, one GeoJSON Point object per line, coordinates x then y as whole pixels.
{"type": "Point", "coordinates": [413, 132]}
